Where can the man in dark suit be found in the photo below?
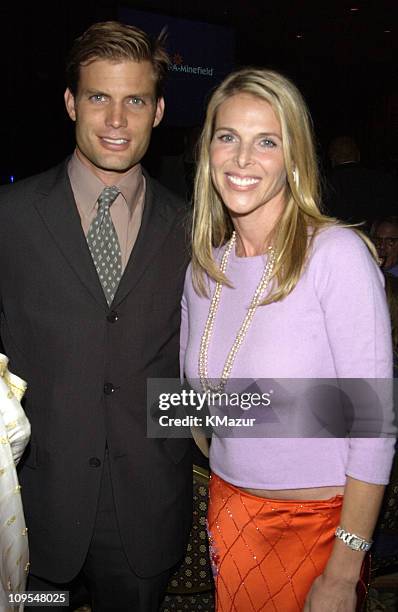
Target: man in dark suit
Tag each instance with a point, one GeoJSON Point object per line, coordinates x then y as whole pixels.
{"type": "Point", "coordinates": [92, 259]}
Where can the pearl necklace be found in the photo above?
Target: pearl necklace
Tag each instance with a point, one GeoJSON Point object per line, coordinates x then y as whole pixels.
{"type": "Point", "coordinates": [205, 342]}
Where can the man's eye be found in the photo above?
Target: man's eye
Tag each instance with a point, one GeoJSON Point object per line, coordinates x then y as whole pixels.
{"type": "Point", "coordinates": [98, 98]}
{"type": "Point", "coordinates": [136, 101]}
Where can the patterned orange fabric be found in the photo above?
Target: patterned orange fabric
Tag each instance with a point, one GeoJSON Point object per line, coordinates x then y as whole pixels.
{"type": "Point", "coordinates": [266, 553]}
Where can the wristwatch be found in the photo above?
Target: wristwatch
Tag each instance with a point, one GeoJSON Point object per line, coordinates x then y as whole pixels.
{"type": "Point", "coordinates": [352, 540]}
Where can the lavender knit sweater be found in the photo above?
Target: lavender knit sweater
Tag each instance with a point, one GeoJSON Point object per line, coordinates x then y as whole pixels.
{"type": "Point", "coordinates": [334, 324]}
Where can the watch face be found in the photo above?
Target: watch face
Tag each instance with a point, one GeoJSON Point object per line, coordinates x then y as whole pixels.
{"type": "Point", "coordinates": [355, 543]}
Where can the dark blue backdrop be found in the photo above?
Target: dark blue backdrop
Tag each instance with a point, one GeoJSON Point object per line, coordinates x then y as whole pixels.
{"type": "Point", "coordinates": [201, 54]}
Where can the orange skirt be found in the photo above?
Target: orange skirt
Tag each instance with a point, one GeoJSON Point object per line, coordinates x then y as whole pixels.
{"type": "Point", "coordinates": [267, 553]}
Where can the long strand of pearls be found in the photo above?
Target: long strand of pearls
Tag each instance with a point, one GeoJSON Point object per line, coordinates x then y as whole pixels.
{"type": "Point", "coordinates": [208, 331]}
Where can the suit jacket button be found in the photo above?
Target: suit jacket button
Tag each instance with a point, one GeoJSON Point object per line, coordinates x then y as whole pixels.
{"type": "Point", "coordinates": [112, 317]}
{"type": "Point", "coordinates": [94, 462]}
{"type": "Point", "coordinates": [109, 388]}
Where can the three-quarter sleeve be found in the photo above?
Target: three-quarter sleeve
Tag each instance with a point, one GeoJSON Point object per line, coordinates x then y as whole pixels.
{"type": "Point", "coordinates": [351, 292]}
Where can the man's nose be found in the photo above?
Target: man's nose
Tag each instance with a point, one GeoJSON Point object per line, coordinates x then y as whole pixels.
{"type": "Point", "coordinates": [380, 250]}
{"type": "Point", "coordinates": [116, 116]}
{"type": "Point", "coordinates": [381, 245]}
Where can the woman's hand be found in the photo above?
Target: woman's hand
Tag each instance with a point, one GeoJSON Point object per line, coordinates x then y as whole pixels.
{"type": "Point", "coordinates": [335, 589]}
{"type": "Point", "coordinates": [331, 595]}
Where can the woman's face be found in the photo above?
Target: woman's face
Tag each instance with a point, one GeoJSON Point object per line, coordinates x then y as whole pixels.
{"type": "Point", "coordinates": [246, 157]}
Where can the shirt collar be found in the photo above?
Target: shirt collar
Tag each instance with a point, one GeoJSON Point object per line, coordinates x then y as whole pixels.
{"type": "Point", "coordinates": [87, 186]}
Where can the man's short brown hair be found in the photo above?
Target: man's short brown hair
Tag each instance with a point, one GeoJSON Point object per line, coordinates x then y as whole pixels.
{"type": "Point", "coordinates": [114, 41]}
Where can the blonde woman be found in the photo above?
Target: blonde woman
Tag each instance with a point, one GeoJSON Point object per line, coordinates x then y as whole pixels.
{"type": "Point", "coordinates": [278, 290]}
{"type": "Point", "coordinates": [14, 435]}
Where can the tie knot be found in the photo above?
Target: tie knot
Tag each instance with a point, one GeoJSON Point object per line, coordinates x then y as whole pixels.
{"type": "Point", "coordinates": [108, 196]}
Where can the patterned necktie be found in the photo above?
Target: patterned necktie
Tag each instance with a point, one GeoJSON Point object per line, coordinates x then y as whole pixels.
{"type": "Point", "coordinates": [104, 245]}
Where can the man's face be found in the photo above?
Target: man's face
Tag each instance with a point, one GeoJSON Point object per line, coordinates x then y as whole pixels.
{"type": "Point", "coordinates": [115, 109]}
{"type": "Point", "coordinates": [386, 241]}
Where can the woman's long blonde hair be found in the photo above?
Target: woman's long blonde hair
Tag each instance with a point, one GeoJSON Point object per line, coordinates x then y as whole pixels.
{"type": "Point", "coordinates": [212, 225]}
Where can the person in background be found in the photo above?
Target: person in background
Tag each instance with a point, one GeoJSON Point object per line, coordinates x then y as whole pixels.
{"type": "Point", "coordinates": [392, 300]}
{"type": "Point", "coordinates": [176, 169]}
{"type": "Point", "coordinates": [90, 309]}
{"type": "Point", "coordinates": [14, 436]}
{"type": "Point", "coordinates": [353, 192]}
{"type": "Point", "coordinates": [384, 233]}
{"type": "Point", "coordinates": [277, 290]}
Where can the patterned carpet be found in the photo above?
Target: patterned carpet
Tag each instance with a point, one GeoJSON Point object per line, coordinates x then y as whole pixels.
{"type": "Point", "coordinates": [382, 601]}
{"type": "Point", "coordinates": [378, 602]}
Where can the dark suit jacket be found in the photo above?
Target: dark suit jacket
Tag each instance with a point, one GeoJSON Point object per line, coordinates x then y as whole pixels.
{"type": "Point", "coordinates": [87, 367]}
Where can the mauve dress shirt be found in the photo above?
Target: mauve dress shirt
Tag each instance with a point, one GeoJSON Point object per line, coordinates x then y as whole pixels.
{"type": "Point", "coordinates": [126, 211]}
{"type": "Point", "coordinates": [334, 324]}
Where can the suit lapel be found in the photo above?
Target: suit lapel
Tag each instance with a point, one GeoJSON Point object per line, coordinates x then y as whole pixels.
{"type": "Point", "coordinates": [157, 221]}
{"type": "Point", "coordinates": [56, 206]}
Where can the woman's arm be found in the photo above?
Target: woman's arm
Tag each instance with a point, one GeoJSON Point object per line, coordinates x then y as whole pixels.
{"type": "Point", "coordinates": [361, 506]}
{"type": "Point", "coordinates": [352, 296]}
{"type": "Point", "coordinates": [334, 590]}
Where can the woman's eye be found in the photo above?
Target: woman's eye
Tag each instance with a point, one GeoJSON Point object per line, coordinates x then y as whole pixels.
{"type": "Point", "coordinates": [267, 143]}
{"type": "Point", "coordinates": [226, 138]}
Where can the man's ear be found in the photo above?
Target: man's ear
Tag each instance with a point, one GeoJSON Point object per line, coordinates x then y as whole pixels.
{"type": "Point", "coordinates": [159, 112]}
{"type": "Point", "coordinates": [70, 104]}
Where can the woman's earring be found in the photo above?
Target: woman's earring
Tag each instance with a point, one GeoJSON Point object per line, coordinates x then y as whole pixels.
{"type": "Point", "coordinates": [295, 177]}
